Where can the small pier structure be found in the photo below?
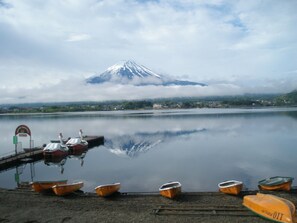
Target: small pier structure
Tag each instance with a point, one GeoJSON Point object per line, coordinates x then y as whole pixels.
{"type": "Point", "coordinates": [94, 141]}
{"type": "Point", "coordinates": [36, 154]}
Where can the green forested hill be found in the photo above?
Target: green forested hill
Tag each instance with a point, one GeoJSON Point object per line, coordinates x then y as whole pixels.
{"type": "Point", "coordinates": [289, 98]}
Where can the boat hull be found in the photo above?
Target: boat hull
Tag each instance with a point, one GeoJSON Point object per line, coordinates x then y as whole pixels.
{"type": "Point", "coordinates": [170, 190]}
{"type": "Point", "coordinates": [56, 153]}
{"type": "Point", "coordinates": [77, 149]}
{"type": "Point", "coordinates": [284, 186]}
{"type": "Point", "coordinates": [55, 150]}
{"type": "Point", "coordinates": [276, 183]}
{"type": "Point", "coordinates": [107, 190]}
{"type": "Point", "coordinates": [271, 207]}
{"type": "Point", "coordinates": [231, 187]}
{"type": "Point", "coordinates": [65, 189]}
{"type": "Point", "coordinates": [40, 186]}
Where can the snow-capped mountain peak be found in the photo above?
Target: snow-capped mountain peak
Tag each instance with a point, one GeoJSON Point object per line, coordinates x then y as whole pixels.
{"type": "Point", "coordinates": [129, 72]}
{"type": "Point", "coordinates": [130, 69]}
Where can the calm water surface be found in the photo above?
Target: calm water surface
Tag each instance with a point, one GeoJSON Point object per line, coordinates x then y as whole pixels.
{"type": "Point", "coordinates": [145, 149]}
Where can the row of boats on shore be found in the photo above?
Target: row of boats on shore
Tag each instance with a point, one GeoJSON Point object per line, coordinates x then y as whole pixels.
{"type": "Point", "coordinates": [62, 188]}
{"type": "Point", "coordinates": [268, 206]}
{"type": "Point", "coordinates": [272, 184]}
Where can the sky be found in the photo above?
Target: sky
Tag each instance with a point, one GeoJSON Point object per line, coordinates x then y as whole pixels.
{"type": "Point", "coordinates": [48, 48]}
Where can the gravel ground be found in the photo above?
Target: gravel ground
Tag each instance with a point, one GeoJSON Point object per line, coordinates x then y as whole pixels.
{"type": "Point", "coordinates": [28, 206]}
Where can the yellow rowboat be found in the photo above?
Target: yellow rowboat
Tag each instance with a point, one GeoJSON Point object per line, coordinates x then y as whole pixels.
{"type": "Point", "coordinates": [107, 189]}
{"type": "Point", "coordinates": [276, 183]}
{"type": "Point", "coordinates": [230, 187]}
{"type": "Point", "coordinates": [170, 190]}
{"type": "Point", "coordinates": [271, 207]}
{"type": "Point", "coordinates": [40, 186]}
{"type": "Point", "coordinates": [64, 189]}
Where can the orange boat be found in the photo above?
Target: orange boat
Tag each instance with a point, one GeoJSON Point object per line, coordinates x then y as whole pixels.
{"type": "Point", "coordinates": [276, 183]}
{"type": "Point", "coordinates": [40, 186]}
{"type": "Point", "coordinates": [170, 190]}
{"type": "Point", "coordinates": [231, 187]}
{"type": "Point", "coordinates": [64, 189]}
{"type": "Point", "coordinates": [107, 189]}
{"type": "Point", "coordinates": [271, 207]}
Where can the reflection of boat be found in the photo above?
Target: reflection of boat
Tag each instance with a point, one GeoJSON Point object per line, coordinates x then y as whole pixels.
{"type": "Point", "coordinates": [40, 186]}
{"type": "Point", "coordinates": [171, 189]}
{"type": "Point", "coordinates": [276, 183]}
{"type": "Point", "coordinates": [271, 207]}
{"type": "Point", "coordinates": [77, 144]}
{"type": "Point", "coordinates": [79, 156]}
{"type": "Point", "coordinates": [65, 189]}
{"type": "Point", "coordinates": [107, 189]}
{"type": "Point", "coordinates": [56, 149]}
{"type": "Point", "coordinates": [231, 187]}
{"type": "Point", "coordinates": [55, 161]}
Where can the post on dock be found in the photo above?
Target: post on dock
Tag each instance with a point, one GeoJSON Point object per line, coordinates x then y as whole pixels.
{"type": "Point", "coordinates": [21, 131]}
{"type": "Point", "coordinates": [15, 142]}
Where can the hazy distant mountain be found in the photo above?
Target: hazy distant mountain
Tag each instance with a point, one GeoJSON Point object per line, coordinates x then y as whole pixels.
{"type": "Point", "coordinates": [289, 98]}
{"type": "Point", "coordinates": [128, 72]}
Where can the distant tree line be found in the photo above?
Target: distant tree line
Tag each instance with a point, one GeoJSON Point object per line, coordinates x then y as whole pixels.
{"type": "Point", "coordinates": [173, 103]}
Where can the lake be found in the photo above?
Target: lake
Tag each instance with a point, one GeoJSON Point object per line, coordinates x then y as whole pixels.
{"type": "Point", "coordinates": [144, 149]}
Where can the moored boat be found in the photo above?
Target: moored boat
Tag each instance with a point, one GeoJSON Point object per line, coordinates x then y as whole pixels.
{"type": "Point", "coordinates": [56, 149]}
{"type": "Point", "coordinates": [271, 207]}
{"type": "Point", "coordinates": [40, 186]}
{"type": "Point", "coordinates": [170, 190]}
{"type": "Point", "coordinates": [77, 144]}
{"type": "Point", "coordinates": [276, 183]}
{"type": "Point", "coordinates": [107, 189]}
{"type": "Point", "coordinates": [64, 189]}
{"type": "Point", "coordinates": [230, 187]}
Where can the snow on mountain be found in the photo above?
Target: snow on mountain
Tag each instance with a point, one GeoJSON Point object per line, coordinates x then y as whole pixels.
{"type": "Point", "coordinates": [128, 72]}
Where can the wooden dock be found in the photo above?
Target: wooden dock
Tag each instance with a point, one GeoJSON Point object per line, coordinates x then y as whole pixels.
{"type": "Point", "coordinates": [94, 141]}
{"type": "Point", "coordinates": [19, 158]}
{"type": "Point", "coordinates": [36, 154]}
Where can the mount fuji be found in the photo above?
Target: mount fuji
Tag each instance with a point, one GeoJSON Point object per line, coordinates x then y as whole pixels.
{"type": "Point", "coordinates": [128, 72]}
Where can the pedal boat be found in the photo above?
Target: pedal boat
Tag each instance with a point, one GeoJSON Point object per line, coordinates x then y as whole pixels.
{"type": "Point", "coordinates": [77, 144]}
{"type": "Point", "coordinates": [271, 207]}
{"type": "Point", "coordinates": [170, 190]}
{"type": "Point", "coordinates": [107, 189]}
{"type": "Point", "coordinates": [276, 183]}
{"type": "Point", "coordinates": [64, 189]}
{"type": "Point", "coordinates": [56, 149]}
{"type": "Point", "coordinates": [40, 186]}
{"type": "Point", "coordinates": [230, 187]}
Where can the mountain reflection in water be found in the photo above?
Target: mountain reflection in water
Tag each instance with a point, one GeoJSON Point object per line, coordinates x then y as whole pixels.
{"type": "Point", "coordinates": [198, 148]}
{"type": "Point", "coordinates": [141, 142]}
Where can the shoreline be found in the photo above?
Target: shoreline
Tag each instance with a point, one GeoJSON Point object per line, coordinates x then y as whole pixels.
{"type": "Point", "coordinates": [112, 112]}
{"type": "Point", "coordinates": [25, 205]}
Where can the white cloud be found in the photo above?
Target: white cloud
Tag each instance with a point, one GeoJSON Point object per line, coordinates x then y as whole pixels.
{"type": "Point", "coordinates": [203, 40]}
{"type": "Point", "coordinates": [76, 90]}
{"type": "Point", "coordinates": [78, 37]}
